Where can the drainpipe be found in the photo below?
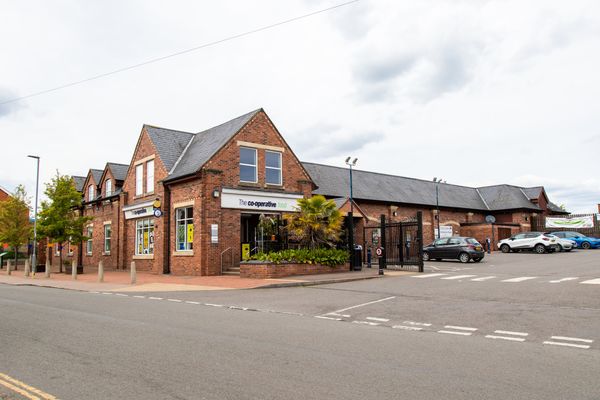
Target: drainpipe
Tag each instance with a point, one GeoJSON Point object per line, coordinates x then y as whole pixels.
{"type": "Point", "coordinates": [167, 228]}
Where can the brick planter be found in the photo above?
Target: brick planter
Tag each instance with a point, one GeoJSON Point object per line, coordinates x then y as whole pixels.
{"type": "Point", "coordinates": [265, 270]}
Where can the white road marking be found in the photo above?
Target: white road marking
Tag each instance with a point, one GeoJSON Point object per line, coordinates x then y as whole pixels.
{"type": "Point", "coordinates": [339, 315]}
{"type": "Point", "coordinates": [366, 323]}
{"type": "Point", "coordinates": [460, 328]}
{"type": "Point", "coordinates": [483, 278]}
{"type": "Point", "coordinates": [377, 319]}
{"type": "Point", "coordinates": [519, 279]}
{"type": "Point", "coordinates": [106, 293]}
{"type": "Point", "coordinates": [514, 339]}
{"type": "Point", "coordinates": [572, 278]}
{"type": "Point", "coordinates": [213, 305]}
{"type": "Point", "coordinates": [579, 346]}
{"type": "Point", "coordinates": [572, 339]}
{"type": "Point", "coordinates": [592, 282]}
{"type": "Point", "coordinates": [155, 298]}
{"type": "Point", "coordinates": [121, 294]}
{"type": "Point", "coordinates": [427, 275]}
{"type": "Point", "coordinates": [139, 297]}
{"type": "Point", "coordinates": [512, 333]}
{"type": "Point", "coordinates": [407, 328]}
{"type": "Point", "coordinates": [362, 305]}
{"type": "Point", "coordinates": [192, 302]}
{"type": "Point", "coordinates": [416, 323]}
{"type": "Point", "coordinates": [456, 333]}
{"type": "Point", "coordinates": [174, 300]}
{"type": "Point", "coordinates": [330, 318]}
{"type": "Point", "coordinates": [95, 292]}
{"type": "Point", "coordinates": [459, 277]}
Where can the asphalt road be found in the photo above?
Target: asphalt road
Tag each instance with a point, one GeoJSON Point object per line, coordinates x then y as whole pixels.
{"type": "Point", "coordinates": [404, 337]}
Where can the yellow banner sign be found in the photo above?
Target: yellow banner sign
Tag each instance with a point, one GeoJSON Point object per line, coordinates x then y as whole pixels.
{"type": "Point", "coordinates": [190, 233]}
{"type": "Point", "coordinates": [245, 251]}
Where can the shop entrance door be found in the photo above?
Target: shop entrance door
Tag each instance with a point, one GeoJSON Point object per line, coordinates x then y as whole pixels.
{"type": "Point", "coordinates": [260, 233]}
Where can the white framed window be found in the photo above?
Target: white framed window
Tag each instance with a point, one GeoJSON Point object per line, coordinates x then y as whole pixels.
{"type": "Point", "coordinates": [88, 244]}
{"type": "Point", "coordinates": [91, 192]}
{"type": "Point", "coordinates": [139, 179]}
{"type": "Point", "coordinates": [144, 237]}
{"type": "Point", "coordinates": [273, 168]}
{"type": "Point", "coordinates": [150, 176]}
{"type": "Point", "coordinates": [184, 226]}
{"type": "Point", "coordinates": [107, 236]}
{"type": "Point", "coordinates": [108, 188]}
{"type": "Point", "coordinates": [248, 165]}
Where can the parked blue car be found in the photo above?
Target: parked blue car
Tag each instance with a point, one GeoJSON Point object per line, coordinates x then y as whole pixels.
{"type": "Point", "coordinates": [582, 241]}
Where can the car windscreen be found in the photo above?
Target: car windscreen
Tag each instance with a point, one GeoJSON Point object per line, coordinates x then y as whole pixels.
{"type": "Point", "coordinates": [472, 241]}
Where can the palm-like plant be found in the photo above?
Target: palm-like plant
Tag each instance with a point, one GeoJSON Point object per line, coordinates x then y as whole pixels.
{"type": "Point", "coordinates": [317, 224]}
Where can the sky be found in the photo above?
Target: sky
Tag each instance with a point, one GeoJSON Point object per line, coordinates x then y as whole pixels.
{"type": "Point", "coordinates": [474, 92]}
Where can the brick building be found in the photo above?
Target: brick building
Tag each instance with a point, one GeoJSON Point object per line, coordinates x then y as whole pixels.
{"type": "Point", "coordinates": [197, 203]}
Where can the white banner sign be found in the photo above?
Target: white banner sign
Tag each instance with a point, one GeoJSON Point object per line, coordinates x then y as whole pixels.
{"type": "Point", "coordinates": [573, 222]}
{"type": "Point", "coordinates": [445, 231]}
{"type": "Point", "coordinates": [259, 201]}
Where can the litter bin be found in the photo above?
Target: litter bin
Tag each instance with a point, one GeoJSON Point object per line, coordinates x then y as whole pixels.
{"type": "Point", "coordinates": [357, 258]}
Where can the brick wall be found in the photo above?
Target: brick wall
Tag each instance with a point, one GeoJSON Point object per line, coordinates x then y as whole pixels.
{"type": "Point", "coordinates": [103, 213]}
{"type": "Point", "coordinates": [270, 270]}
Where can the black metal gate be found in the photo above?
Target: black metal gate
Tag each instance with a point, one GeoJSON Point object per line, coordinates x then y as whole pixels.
{"type": "Point", "coordinates": [402, 243]}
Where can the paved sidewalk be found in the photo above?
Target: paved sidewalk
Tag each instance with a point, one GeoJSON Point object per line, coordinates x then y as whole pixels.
{"type": "Point", "coordinates": [147, 282]}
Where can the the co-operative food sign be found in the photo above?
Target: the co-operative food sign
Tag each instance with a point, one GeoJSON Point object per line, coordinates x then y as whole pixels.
{"type": "Point", "coordinates": [259, 201]}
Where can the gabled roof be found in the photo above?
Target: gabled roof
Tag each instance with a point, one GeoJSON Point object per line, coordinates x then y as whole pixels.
{"type": "Point", "coordinates": [79, 181]}
{"type": "Point", "coordinates": [119, 171]}
{"type": "Point", "coordinates": [335, 182]}
{"type": "Point", "coordinates": [533, 193]}
{"type": "Point", "coordinates": [5, 190]}
{"type": "Point", "coordinates": [169, 143]}
{"type": "Point", "coordinates": [97, 174]}
{"type": "Point", "coordinates": [206, 144]}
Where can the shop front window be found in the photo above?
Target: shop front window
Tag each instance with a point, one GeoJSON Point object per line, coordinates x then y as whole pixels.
{"type": "Point", "coordinates": [144, 238]}
{"type": "Point", "coordinates": [184, 224]}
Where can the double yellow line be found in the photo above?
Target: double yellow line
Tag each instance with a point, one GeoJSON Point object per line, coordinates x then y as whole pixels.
{"type": "Point", "coordinates": [24, 389]}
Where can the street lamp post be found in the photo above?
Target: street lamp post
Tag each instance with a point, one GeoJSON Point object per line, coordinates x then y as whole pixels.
{"type": "Point", "coordinates": [351, 215]}
{"type": "Point", "coordinates": [437, 204]}
{"type": "Point", "coordinates": [37, 182]}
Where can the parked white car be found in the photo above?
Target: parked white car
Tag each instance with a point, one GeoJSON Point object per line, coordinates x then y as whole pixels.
{"type": "Point", "coordinates": [536, 241]}
{"type": "Point", "coordinates": [563, 244]}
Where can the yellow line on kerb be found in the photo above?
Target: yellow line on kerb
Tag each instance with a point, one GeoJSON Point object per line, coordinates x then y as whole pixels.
{"type": "Point", "coordinates": [24, 389]}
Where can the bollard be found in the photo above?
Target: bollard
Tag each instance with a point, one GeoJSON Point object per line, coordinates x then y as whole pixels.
{"type": "Point", "coordinates": [100, 271]}
{"type": "Point", "coordinates": [133, 273]}
{"type": "Point", "coordinates": [8, 266]}
{"type": "Point", "coordinates": [47, 272]}
{"type": "Point", "coordinates": [27, 268]}
{"type": "Point", "coordinates": [74, 269]}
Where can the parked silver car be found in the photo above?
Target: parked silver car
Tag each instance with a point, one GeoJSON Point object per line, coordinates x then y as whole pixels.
{"type": "Point", "coordinates": [563, 244]}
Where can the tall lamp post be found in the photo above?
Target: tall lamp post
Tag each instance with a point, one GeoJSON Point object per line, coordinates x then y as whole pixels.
{"type": "Point", "coordinates": [351, 215]}
{"type": "Point", "coordinates": [437, 204]}
{"type": "Point", "coordinates": [37, 182]}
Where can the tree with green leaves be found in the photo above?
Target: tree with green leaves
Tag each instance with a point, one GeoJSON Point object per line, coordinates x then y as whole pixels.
{"type": "Point", "coordinates": [15, 229]}
{"type": "Point", "coordinates": [317, 224]}
{"type": "Point", "coordinates": [60, 219]}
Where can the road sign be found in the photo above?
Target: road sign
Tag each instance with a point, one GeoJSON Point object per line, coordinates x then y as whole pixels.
{"type": "Point", "coordinates": [379, 251]}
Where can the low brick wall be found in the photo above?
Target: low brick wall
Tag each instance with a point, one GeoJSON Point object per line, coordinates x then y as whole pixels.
{"type": "Point", "coordinates": [271, 270]}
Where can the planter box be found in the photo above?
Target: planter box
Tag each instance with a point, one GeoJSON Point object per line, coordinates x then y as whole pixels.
{"type": "Point", "coordinates": [265, 270]}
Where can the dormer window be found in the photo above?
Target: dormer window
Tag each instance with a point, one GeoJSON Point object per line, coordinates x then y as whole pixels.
{"type": "Point", "coordinates": [91, 193]}
{"type": "Point", "coordinates": [108, 188]}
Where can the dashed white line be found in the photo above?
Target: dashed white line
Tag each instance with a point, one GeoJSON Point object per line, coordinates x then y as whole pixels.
{"type": "Point", "coordinates": [456, 333]}
{"type": "Point", "coordinates": [339, 315]}
{"type": "Point", "coordinates": [573, 339]}
{"type": "Point", "coordinates": [519, 279]}
{"type": "Point", "coordinates": [407, 328]}
{"type": "Point", "coordinates": [427, 275]}
{"type": "Point", "coordinates": [213, 305]}
{"type": "Point", "coordinates": [579, 346]}
{"type": "Point", "coordinates": [174, 300]}
{"type": "Point", "coordinates": [95, 292]}
{"type": "Point", "coordinates": [416, 323]}
{"type": "Point", "coordinates": [458, 277]}
{"type": "Point", "coordinates": [139, 296]}
{"type": "Point", "coordinates": [571, 278]}
{"type": "Point", "coordinates": [592, 282]}
{"type": "Point", "coordinates": [512, 333]}
{"type": "Point", "coordinates": [514, 339]}
{"type": "Point", "coordinates": [460, 328]}
{"type": "Point", "coordinates": [378, 319]}
{"type": "Point", "coordinates": [155, 298]}
{"type": "Point", "coordinates": [366, 323]}
{"type": "Point", "coordinates": [121, 294]}
{"type": "Point", "coordinates": [106, 293]}
{"type": "Point", "coordinates": [483, 278]}
{"type": "Point", "coordinates": [329, 318]}
{"type": "Point", "coordinates": [192, 302]}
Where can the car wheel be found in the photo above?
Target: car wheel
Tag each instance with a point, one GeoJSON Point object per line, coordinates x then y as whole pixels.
{"type": "Point", "coordinates": [505, 248]}
{"type": "Point", "coordinates": [425, 256]}
{"type": "Point", "coordinates": [540, 248]}
{"type": "Point", "coordinates": [464, 257]}
{"type": "Point", "coordinates": [477, 259]}
{"type": "Point", "coordinates": [586, 245]}
{"type": "Point", "coordinates": [560, 248]}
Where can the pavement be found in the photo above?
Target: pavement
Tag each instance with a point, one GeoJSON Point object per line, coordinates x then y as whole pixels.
{"type": "Point", "coordinates": [148, 282]}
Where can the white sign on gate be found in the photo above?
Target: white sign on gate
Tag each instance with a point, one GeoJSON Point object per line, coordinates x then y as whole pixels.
{"type": "Point", "coordinates": [587, 221]}
{"type": "Point", "coordinates": [445, 231]}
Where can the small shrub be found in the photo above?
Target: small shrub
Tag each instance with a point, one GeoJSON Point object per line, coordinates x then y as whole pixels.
{"type": "Point", "coordinates": [330, 257]}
